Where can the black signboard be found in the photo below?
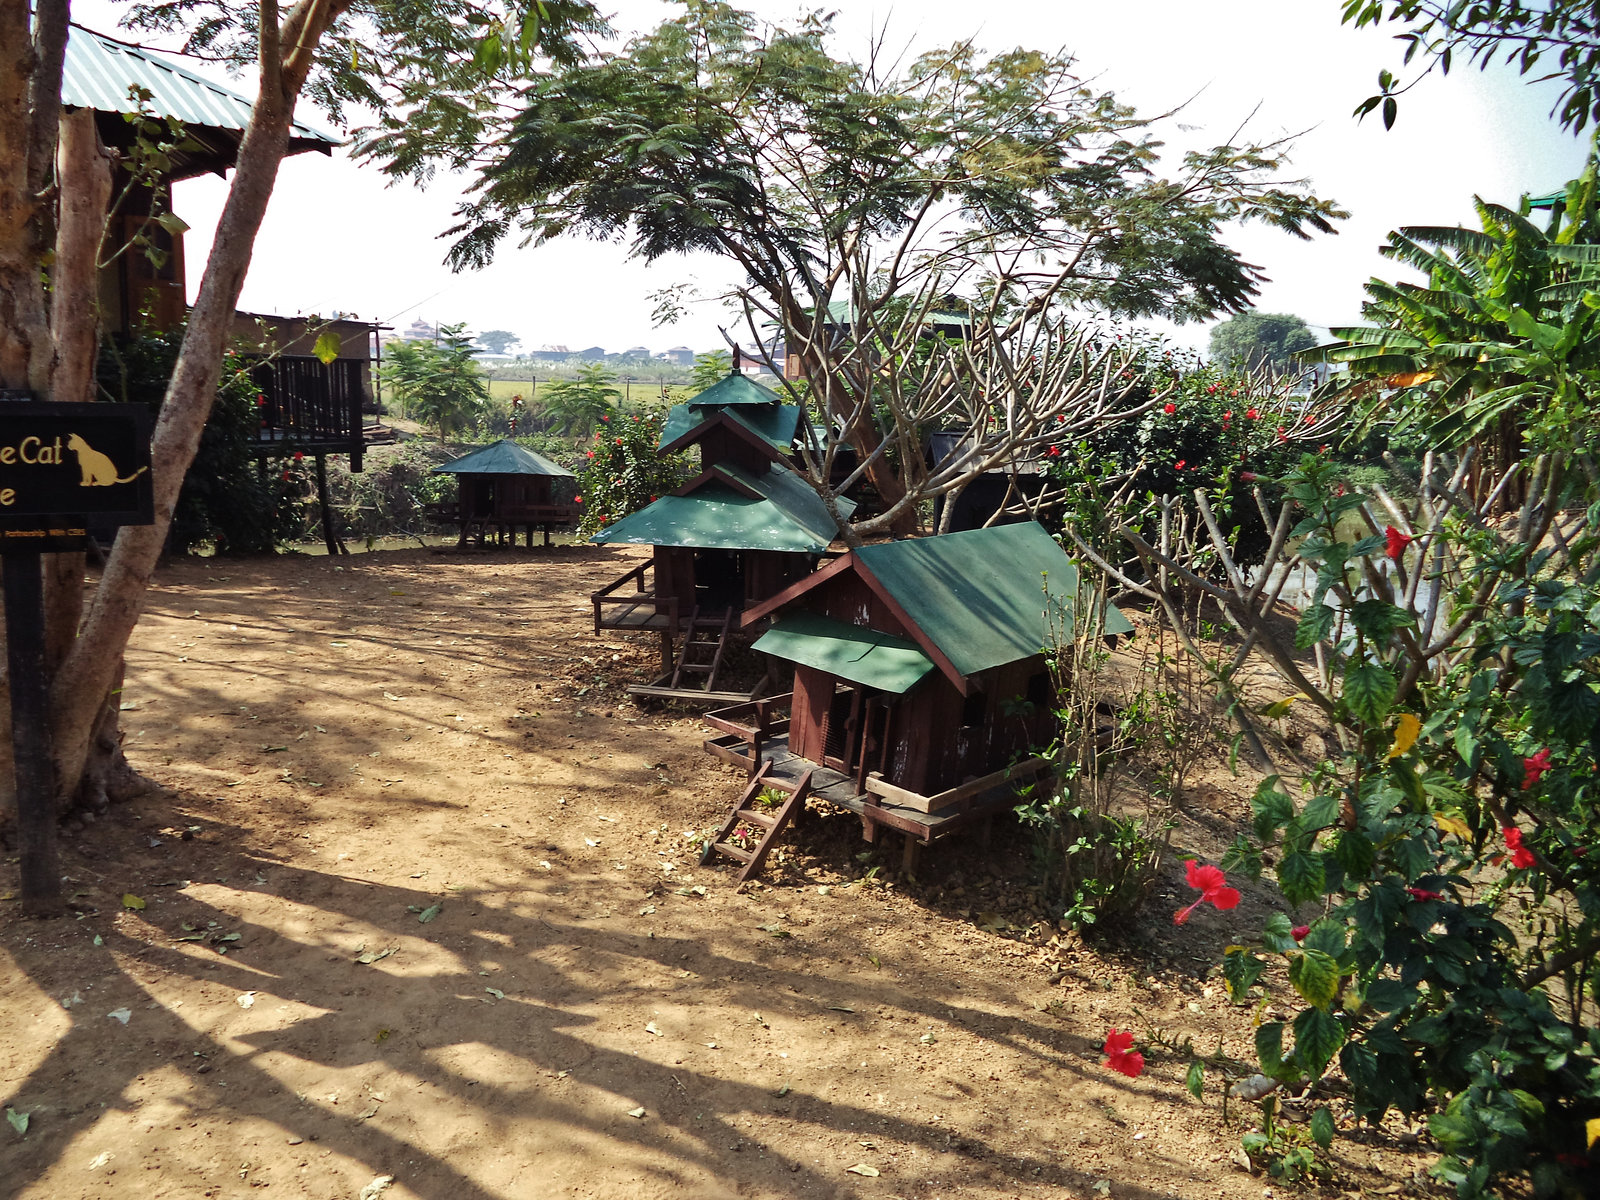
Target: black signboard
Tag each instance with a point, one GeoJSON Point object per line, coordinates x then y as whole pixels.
{"type": "Point", "coordinates": [67, 468]}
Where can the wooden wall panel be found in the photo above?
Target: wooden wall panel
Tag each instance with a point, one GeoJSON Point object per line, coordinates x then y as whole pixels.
{"type": "Point", "coordinates": [808, 712]}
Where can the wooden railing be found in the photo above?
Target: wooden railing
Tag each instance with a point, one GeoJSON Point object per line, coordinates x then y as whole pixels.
{"type": "Point", "coordinates": [956, 796]}
{"type": "Point", "coordinates": [755, 721]}
{"type": "Point", "coordinates": [640, 595]}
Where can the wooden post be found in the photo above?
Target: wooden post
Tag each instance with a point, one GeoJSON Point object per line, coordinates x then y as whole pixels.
{"type": "Point", "coordinates": [30, 735]}
{"type": "Point", "coordinates": [329, 538]}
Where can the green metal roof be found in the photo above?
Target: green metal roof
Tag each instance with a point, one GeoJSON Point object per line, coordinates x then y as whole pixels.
{"type": "Point", "coordinates": [735, 389]}
{"type": "Point", "coordinates": [503, 458]}
{"type": "Point", "coordinates": [1553, 200]}
{"type": "Point", "coordinates": [785, 514]}
{"type": "Point", "coordinates": [880, 660]}
{"type": "Point", "coordinates": [774, 423]}
{"type": "Point", "coordinates": [984, 597]}
{"type": "Point", "coordinates": [98, 71]}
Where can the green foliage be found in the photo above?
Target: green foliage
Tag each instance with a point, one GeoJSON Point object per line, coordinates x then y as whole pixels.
{"type": "Point", "coordinates": [576, 406]}
{"type": "Point", "coordinates": [392, 495]}
{"type": "Point", "coordinates": [623, 470]}
{"type": "Point", "coordinates": [1559, 39]}
{"type": "Point", "coordinates": [229, 503]}
{"type": "Point", "coordinates": [710, 368]}
{"type": "Point", "coordinates": [1499, 347]}
{"type": "Point", "coordinates": [1254, 341]}
{"type": "Point", "coordinates": [670, 143]}
{"type": "Point", "coordinates": [1288, 1152]}
{"type": "Point", "coordinates": [1457, 875]}
{"type": "Point", "coordinates": [438, 383]}
{"type": "Point", "coordinates": [1224, 432]}
{"type": "Point", "coordinates": [498, 341]}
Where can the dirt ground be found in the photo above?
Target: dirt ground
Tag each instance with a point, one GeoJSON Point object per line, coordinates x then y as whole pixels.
{"type": "Point", "coordinates": [417, 900]}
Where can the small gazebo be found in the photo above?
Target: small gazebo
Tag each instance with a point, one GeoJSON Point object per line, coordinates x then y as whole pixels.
{"type": "Point", "coordinates": [505, 488]}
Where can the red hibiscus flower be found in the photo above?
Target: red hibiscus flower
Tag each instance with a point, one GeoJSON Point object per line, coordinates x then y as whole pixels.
{"type": "Point", "coordinates": [1179, 465]}
{"type": "Point", "coordinates": [1212, 885]}
{"type": "Point", "coordinates": [605, 418]}
{"type": "Point", "coordinates": [1227, 416]}
{"type": "Point", "coordinates": [1055, 450]}
{"type": "Point", "coordinates": [1310, 420]}
{"type": "Point", "coordinates": [299, 457]}
{"type": "Point", "coordinates": [1253, 414]}
{"type": "Point", "coordinates": [577, 499]}
{"type": "Point", "coordinates": [591, 454]}
{"type": "Point", "coordinates": [1248, 476]}
{"type": "Point", "coordinates": [1120, 1056]}
{"type": "Point", "coordinates": [1395, 542]}
{"type": "Point", "coordinates": [1534, 767]}
{"type": "Point", "coordinates": [286, 477]}
{"type": "Point", "coordinates": [619, 441]}
{"type": "Point", "coordinates": [1298, 933]}
{"type": "Point", "coordinates": [1521, 856]}
{"type": "Point", "coordinates": [1169, 409]}
{"type": "Point", "coordinates": [1417, 893]}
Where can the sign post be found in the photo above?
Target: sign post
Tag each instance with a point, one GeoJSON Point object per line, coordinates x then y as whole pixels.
{"type": "Point", "coordinates": [65, 469]}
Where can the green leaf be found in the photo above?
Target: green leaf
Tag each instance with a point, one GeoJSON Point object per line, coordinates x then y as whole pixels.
{"type": "Point", "coordinates": [1273, 809]}
{"type": "Point", "coordinates": [1377, 619]}
{"type": "Point", "coordinates": [328, 347]}
{"type": "Point", "coordinates": [1319, 813]}
{"type": "Point", "coordinates": [1315, 625]}
{"type": "Point", "coordinates": [1317, 1038]}
{"type": "Point", "coordinates": [1301, 875]}
{"type": "Point", "coordinates": [172, 223]}
{"type": "Point", "coordinates": [1277, 935]}
{"type": "Point", "coordinates": [1315, 976]}
{"type": "Point", "coordinates": [19, 1120]}
{"type": "Point", "coordinates": [430, 913]}
{"type": "Point", "coordinates": [1269, 1051]}
{"type": "Point", "coordinates": [1369, 690]}
{"type": "Point", "coordinates": [1195, 1080]}
{"type": "Point", "coordinates": [1240, 970]}
{"type": "Point", "coordinates": [1322, 1127]}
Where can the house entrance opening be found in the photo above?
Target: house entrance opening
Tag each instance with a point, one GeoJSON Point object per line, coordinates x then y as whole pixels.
{"type": "Point", "coordinates": [718, 580]}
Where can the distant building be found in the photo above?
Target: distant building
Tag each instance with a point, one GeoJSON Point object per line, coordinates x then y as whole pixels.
{"type": "Point", "coordinates": [591, 354]}
{"type": "Point", "coordinates": [680, 356]}
{"type": "Point", "coordinates": [418, 331]}
{"type": "Point", "coordinates": [635, 354]}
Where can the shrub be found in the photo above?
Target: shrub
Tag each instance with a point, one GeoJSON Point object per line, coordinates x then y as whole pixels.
{"type": "Point", "coordinates": [623, 469]}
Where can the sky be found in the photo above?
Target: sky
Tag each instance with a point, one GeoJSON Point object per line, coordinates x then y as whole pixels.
{"type": "Point", "coordinates": [338, 238]}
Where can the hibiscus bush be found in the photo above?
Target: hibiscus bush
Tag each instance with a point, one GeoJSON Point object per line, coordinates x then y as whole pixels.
{"type": "Point", "coordinates": [1440, 874]}
{"type": "Point", "coordinates": [622, 470]}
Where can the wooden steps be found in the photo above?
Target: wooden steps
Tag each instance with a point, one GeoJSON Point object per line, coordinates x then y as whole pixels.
{"type": "Point", "coordinates": [773, 823]}
{"type": "Point", "coordinates": [702, 655]}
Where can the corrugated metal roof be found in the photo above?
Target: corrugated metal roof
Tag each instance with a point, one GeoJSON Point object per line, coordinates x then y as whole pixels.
{"type": "Point", "coordinates": [786, 514]}
{"type": "Point", "coordinates": [853, 652]}
{"type": "Point", "coordinates": [983, 597]}
{"type": "Point", "coordinates": [503, 458]}
{"type": "Point", "coordinates": [98, 71]}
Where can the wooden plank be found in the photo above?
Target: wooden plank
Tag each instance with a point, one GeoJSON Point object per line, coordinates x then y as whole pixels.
{"type": "Point", "coordinates": [731, 754]}
{"type": "Point", "coordinates": [1017, 772]}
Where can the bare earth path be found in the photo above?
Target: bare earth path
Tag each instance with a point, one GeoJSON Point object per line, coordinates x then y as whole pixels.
{"type": "Point", "coordinates": [348, 746]}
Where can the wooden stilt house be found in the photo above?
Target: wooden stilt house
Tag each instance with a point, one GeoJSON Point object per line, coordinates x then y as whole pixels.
{"type": "Point", "coordinates": [920, 679]}
{"type": "Point", "coordinates": [506, 488]}
{"type": "Point", "coordinates": [743, 529]}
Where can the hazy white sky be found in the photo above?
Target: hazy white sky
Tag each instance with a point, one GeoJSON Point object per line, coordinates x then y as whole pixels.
{"type": "Point", "coordinates": [336, 238]}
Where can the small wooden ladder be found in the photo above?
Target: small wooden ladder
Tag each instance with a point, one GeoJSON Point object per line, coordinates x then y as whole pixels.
{"type": "Point", "coordinates": [690, 659]}
{"type": "Point", "coordinates": [772, 823]}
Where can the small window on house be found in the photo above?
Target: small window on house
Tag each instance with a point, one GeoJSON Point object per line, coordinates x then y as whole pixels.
{"type": "Point", "coordinates": [1039, 691]}
{"type": "Point", "coordinates": [972, 712]}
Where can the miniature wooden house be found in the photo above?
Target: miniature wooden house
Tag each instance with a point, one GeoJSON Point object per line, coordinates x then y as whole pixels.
{"type": "Point", "coordinates": [743, 529]}
{"type": "Point", "coordinates": [921, 662]}
{"type": "Point", "coordinates": [505, 488]}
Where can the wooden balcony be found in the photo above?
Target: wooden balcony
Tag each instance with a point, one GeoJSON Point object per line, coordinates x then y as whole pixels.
{"type": "Point", "coordinates": [618, 606]}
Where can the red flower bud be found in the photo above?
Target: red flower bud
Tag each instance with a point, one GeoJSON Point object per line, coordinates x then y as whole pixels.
{"type": "Point", "coordinates": [1169, 409]}
{"type": "Point", "coordinates": [1253, 414]}
{"type": "Point", "coordinates": [299, 457]}
{"type": "Point", "coordinates": [1417, 893]}
{"type": "Point", "coordinates": [1298, 933]}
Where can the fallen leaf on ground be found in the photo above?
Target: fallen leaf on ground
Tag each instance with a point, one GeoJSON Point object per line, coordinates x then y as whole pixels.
{"type": "Point", "coordinates": [429, 913]}
{"type": "Point", "coordinates": [120, 1014]}
{"type": "Point", "coordinates": [866, 1169]}
{"type": "Point", "coordinates": [18, 1120]}
{"type": "Point", "coordinates": [651, 1028]}
{"type": "Point", "coordinates": [99, 1160]}
{"type": "Point", "coordinates": [371, 956]}
{"type": "Point", "coordinates": [245, 999]}
{"type": "Point", "coordinates": [129, 900]}
{"type": "Point", "coordinates": [377, 1187]}
{"type": "Point", "coordinates": [496, 993]}
{"type": "Point", "coordinates": [636, 1112]}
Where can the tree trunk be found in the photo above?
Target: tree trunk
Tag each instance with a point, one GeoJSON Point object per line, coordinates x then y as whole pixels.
{"type": "Point", "coordinates": [80, 694]}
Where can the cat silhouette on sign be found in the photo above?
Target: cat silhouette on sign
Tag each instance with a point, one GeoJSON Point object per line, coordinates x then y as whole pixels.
{"type": "Point", "coordinates": [97, 469]}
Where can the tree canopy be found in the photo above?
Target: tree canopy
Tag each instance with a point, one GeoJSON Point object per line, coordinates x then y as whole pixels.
{"type": "Point", "coordinates": [498, 341]}
{"type": "Point", "coordinates": [859, 195]}
{"type": "Point", "coordinates": [1255, 341]}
